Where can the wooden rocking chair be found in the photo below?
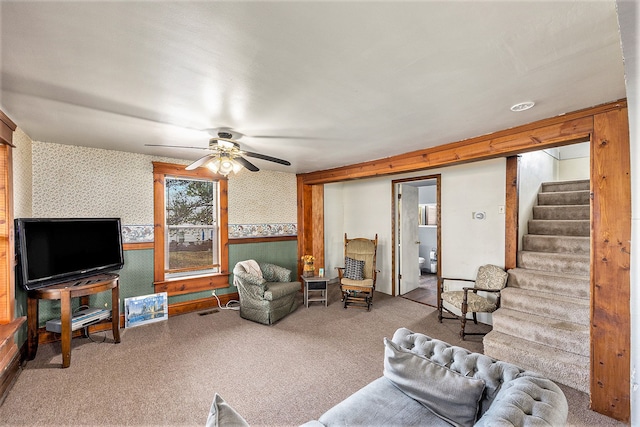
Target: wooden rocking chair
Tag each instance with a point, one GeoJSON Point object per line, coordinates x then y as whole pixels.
{"type": "Point", "coordinates": [358, 276]}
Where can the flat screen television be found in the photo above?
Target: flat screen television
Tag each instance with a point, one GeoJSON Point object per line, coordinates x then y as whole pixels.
{"type": "Point", "coordinates": [57, 250]}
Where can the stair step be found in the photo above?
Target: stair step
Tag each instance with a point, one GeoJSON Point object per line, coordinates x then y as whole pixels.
{"type": "Point", "coordinates": [561, 212]}
{"type": "Point", "coordinates": [579, 245]}
{"type": "Point", "coordinates": [564, 198]}
{"type": "Point", "coordinates": [559, 307]}
{"type": "Point", "coordinates": [571, 285]}
{"type": "Point", "coordinates": [566, 336]}
{"type": "Point", "coordinates": [548, 187]}
{"type": "Point", "coordinates": [566, 368]}
{"type": "Point", "coordinates": [559, 227]}
{"type": "Point", "coordinates": [554, 262]}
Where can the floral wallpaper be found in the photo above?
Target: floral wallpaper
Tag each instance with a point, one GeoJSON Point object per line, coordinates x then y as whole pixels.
{"type": "Point", "coordinates": [22, 171]}
{"type": "Point", "coordinates": [267, 197]}
{"type": "Point", "coordinates": [72, 181]}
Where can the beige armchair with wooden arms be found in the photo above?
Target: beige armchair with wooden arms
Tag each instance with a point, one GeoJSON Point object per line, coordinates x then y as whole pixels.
{"type": "Point", "coordinates": [358, 276]}
{"type": "Point", "coordinates": [490, 278]}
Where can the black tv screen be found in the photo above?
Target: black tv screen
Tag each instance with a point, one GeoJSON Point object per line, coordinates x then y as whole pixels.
{"type": "Point", "coordinates": [56, 250]}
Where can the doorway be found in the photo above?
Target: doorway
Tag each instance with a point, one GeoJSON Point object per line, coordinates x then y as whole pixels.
{"type": "Point", "coordinates": [416, 235]}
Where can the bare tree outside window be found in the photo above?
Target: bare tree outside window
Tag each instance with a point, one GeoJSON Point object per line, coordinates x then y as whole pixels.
{"type": "Point", "coordinates": [191, 226]}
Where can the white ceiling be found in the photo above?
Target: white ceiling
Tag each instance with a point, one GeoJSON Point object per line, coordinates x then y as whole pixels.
{"type": "Point", "coordinates": [337, 82]}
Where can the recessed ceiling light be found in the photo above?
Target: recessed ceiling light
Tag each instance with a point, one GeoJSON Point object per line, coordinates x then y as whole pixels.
{"type": "Point", "coordinates": [523, 106]}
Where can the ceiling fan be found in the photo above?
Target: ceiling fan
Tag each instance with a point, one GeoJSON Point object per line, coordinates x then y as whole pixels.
{"type": "Point", "coordinates": [226, 155]}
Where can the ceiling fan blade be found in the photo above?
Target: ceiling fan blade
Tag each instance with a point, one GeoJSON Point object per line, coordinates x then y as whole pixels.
{"type": "Point", "coordinates": [201, 161]}
{"type": "Point", "coordinates": [176, 146]}
{"type": "Point", "coordinates": [247, 164]}
{"type": "Point", "coordinates": [284, 137]}
{"type": "Point", "coordinates": [269, 158]}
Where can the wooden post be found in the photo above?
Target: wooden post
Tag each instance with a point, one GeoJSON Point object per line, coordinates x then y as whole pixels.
{"type": "Point", "coordinates": [610, 264]}
{"type": "Point", "coordinates": [511, 213]}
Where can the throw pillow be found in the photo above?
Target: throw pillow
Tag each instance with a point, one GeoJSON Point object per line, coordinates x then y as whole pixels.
{"type": "Point", "coordinates": [223, 415]}
{"type": "Point", "coordinates": [353, 269]}
{"type": "Point", "coordinates": [450, 395]}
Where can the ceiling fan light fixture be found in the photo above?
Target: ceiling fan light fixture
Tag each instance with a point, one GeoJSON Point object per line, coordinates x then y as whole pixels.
{"type": "Point", "coordinates": [214, 165]}
{"type": "Point", "coordinates": [237, 167]}
{"type": "Point", "coordinates": [226, 166]}
{"type": "Point", "coordinates": [223, 165]}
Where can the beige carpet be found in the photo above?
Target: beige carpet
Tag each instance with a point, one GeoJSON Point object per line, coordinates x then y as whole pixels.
{"type": "Point", "coordinates": [282, 375]}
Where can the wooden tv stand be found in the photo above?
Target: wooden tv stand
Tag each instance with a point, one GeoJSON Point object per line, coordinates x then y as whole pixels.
{"type": "Point", "coordinates": [64, 292]}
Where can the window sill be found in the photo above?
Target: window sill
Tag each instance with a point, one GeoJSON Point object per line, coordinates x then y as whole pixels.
{"type": "Point", "coordinates": [181, 286]}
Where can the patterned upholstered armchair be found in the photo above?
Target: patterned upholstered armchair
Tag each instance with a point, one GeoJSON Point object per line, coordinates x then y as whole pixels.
{"type": "Point", "coordinates": [491, 279]}
{"type": "Point", "coordinates": [266, 291]}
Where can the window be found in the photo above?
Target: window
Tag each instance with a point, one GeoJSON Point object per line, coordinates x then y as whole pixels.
{"type": "Point", "coordinates": [190, 229]}
{"type": "Point", "coordinates": [191, 226]}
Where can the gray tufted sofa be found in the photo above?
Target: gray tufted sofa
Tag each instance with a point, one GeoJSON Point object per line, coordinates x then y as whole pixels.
{"type": "Point", "coordinates": [431, 383]}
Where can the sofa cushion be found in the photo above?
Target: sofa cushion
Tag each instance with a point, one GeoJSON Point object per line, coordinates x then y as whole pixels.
{"type": "Point", "coordinates": [277, 290]}
{"type": "Point", "coordinates": [353, 269]}
{"type": "Point", "coordinates": [223, 415]}
{"type": "Point", "coordinates": [275, 273]}
{"type": "Point", "coordinates": [450, 395]}
{"type": "Point", "coordinates": [380, 403]}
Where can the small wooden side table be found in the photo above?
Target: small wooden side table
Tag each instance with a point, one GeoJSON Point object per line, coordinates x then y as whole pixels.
{"type": "Point", "coordinates": [64, 292]}
{"type": "Point", "coordinates": [315, 284]}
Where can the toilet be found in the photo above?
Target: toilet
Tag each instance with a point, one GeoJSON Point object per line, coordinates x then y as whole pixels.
{"type": "Point", "coordinates": [420, 264]}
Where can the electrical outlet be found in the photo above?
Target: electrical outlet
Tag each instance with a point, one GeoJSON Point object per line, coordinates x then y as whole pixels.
{"type": "Point", "coordinates": [500, 209]}
{"type": "Point", "coordinates": [213, 293]}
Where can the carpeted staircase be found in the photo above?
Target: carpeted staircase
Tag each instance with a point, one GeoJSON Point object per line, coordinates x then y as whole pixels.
{"type": "Point", "coordinates": [543, 321]}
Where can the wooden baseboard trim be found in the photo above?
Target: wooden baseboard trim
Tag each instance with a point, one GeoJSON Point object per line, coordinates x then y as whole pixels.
{"type": "Point", "coordinates": [10, 374]}
{"type": "Point", "coordinates": [201, 304]}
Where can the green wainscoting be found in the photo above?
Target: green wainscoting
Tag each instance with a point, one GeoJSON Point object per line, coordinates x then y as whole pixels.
{"type": "Point", "coordinates": [282, 253]}
{"type": "Point", "coordinates": [136, 278]}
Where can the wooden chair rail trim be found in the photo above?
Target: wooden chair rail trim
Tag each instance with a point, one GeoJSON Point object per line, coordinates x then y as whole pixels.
{"type": "Point", "coordinates": [242, 240]}
{"type": "Point", "coordinates": [137, 246]}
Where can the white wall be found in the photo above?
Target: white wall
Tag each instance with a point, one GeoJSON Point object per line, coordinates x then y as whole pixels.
{"type": "Point", "coordinates": [628, 18]}
{"type": "Point", "coordinates": [535, 167]}
{"type": "Point", "coordinates": [574, 169]}
{"type": "Point", "coordinates": [466, 243]}
{"type": "Point", "coordinates": [333, 234]}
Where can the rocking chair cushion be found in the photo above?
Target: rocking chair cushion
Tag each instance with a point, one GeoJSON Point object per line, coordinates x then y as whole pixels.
{"type": "Point", "coordinates": [353, 269]}
{"type": "Point", "coordinates": [366, 283]}
{"type": "Point", "coordinates": [475, 303]}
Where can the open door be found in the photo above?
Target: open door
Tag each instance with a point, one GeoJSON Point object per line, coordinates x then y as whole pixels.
{"type": "Point", "coordinates": [416, 237]}
{"type": "Point", "coordinates": [408, 279]}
